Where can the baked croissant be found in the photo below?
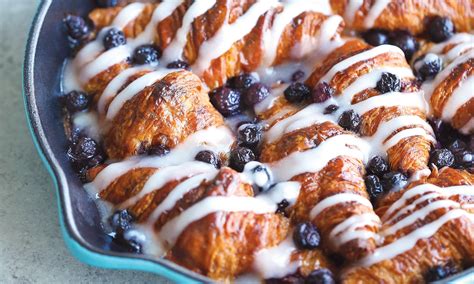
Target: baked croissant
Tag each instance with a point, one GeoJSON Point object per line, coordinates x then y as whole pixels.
{"type": "Point", "coordinates": [219, 39]}
{"type": "Point", "coordinates": [428, 224]}
{"type": "Point", "coordinates": [405, 15]}
{"type": "Point", "coordinates": [393, 119]}
{"type": "Point", "coordinates": [450, 92]}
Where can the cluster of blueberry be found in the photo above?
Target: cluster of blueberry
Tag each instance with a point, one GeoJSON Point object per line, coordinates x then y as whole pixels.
{"type": "Point", "coordinates": [121, 222]}
{"type": "Point", "coordinates": [321, 275]}
{"type": "Point", "coordinates": [380, 179]}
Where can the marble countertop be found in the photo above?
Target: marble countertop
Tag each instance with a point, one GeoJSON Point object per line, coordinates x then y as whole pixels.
{"type": "Point", "coordinates": [31, 246]}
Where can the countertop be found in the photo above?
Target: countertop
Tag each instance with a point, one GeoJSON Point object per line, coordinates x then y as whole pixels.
{"type": "Point", "coordinates": [31, 246]}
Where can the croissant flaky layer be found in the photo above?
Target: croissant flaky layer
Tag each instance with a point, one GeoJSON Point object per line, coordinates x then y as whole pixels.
{"type": "Point", "coordinates": [408, 15]}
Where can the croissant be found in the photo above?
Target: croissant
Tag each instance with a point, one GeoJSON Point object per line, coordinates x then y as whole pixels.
{"type": "Point", "coordinates": [218, 39]}
{"type": "Point", "coordinates": [428, 224]}
{"type": "Point", "coordinates": [405, 15]}
{"type": "Point", "coordinates": [450, 91]}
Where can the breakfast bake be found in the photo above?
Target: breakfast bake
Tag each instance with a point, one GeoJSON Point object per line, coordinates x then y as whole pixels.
{"type": "Point", "coordinates": [293, 141]}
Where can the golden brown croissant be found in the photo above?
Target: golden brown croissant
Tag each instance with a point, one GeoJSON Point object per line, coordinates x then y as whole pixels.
{"type": "Point", "coordinates": [405, 15]}
{"type": "Point", "coordinates": [450, 90]}
{"type": "Point", "coordinates": [428, 224]}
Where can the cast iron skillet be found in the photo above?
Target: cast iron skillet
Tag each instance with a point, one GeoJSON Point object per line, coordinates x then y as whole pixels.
{"type": "Point", "coordinates": [80, 221]}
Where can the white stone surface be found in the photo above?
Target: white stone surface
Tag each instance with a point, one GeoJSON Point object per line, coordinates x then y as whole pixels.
{"type": "Point", "coordinates": [31, 246]}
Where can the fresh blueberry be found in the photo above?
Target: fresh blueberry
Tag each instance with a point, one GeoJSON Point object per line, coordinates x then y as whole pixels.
{"type": "Point", "coordinates": [388, 83]}
{"type": "Point", "coordinates": [107, 3]}
{"type": "Point", "coordinates": [297, 76]}
{"type": "Point", "coordinates": [158, 150]}
{"type": "Point", "coordinates": [146, 54]}
{"type": "Point", "coordinates": [178, 64]}
{"type": "Point", "coordinates": [375, 37]}
{"type": "Point", "coordinates": [457, 145]}
{"type": "Point", "coordinates": [320, 276]}
{"type": "Point", "coordinates": [239, 157]}
{"type": "Point", "coordinates": [464, 159]}
{"type": "Point", "coordinates": [84, 149]}
{"type": "Point", "coordinates": [439, 28]}
{"type": "Point", "coordinates": [442, 158]}
{"type": "Point", "coordinates": [295, 278]}
{"type": "Point", "coordinates": [374, 187]}
{"type": "Point", "coordinates": [444, 132]}
{"type": "Point", "coordinates": [322, 92]}
{"type": "Point", "coordinates": [377, 166]}
{"type": "Point", "coordinates": [76, 27]}
{"type": "Point", "coordinates": [249, 135]}
{"type": "Point", "coordinates": [428, 66]}
{"type": "Point", "coordinates": [330, 109]}
{"type": "Point", "coordinates": [242, 81]}
{"type": "Point", "coordinates": [440, 272]}
{"type": "Point", "coordinates": [306, 236]}
{"type": "Point", "coordinates": [350, 120]}
{"type": "Point", "coordinates": [208, 157]}
{"type": "Point", "coordinates": [255, 94]}
{"type": "Point", "coordinates": [281, 207]}
{"type": "Point", "coordinates": [297, 92]}
{"type": "Point", "coordinates": [226, 101]}
{"type": "Point", "coordinates": [76, 101]}
{"type": "Point", "coordinates": [121, 220]}
{"type": "Point", "coordinates": [405, 41]}
{"type": "Point", "coordinates": [393, 181]}
{"type": "Point", "coordinates": [113, 38]}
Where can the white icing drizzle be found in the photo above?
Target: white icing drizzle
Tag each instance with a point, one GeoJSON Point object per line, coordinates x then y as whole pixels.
{"type": "Point", "coordinates": [175, 49]}
{"type": "Point", "coordinates": [315, 159]}
{"type": "Point", "coordinates": [127, 15]}
{"type": "Point", "coordinates": [217, 139]}
{"type": "Point", "coordinates": [134, 88]}
{"type": "Point", "coordinates": [352, 7]}
{"type": "Point", "coordinates": [275, 262]}
{"type": "Point", "coordinates": [414, 99]}
{"type": "Point", "coordinates": [164, 175]}
{"type": "Point", "coordinates": [171, 231]}
{"type": "Point", "coordinates": [289, 191]}
{"type": "Point", "coordinates": [337, 199]}
{"type": "Point", "coordinates": [374, 12]}
{"type": "Point", "coordinates": [354, 228]}
{"type": "Point", "coordinates": [103, 61]}
{"type": "Point", "coordinates": [460, 96]}
{"type": "Point", "coordinates": [228, 34]}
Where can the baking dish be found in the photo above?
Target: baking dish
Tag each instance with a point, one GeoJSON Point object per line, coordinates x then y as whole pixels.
{"type": "Point", "coordinates": [79, 217]}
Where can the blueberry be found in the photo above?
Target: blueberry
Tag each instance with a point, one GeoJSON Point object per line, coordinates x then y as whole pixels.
{"type": "Point", "coordinates": [255, 94]}
{"type": "Point", "coordinates": [306, 236]}
{"type": "Point", "coordinates": [442, 158]}
{"type": "Point", "coordinates": [178, 64]}
{"type": "Point", "coordinates": [350, 120]}
{"type": "Point", "coordinates": [320, 276]}
{"type": "Point", "coordinates": [208, 157]}
{"type": "Point", "coordinates": [226, 101]}
{"type": "Point", "coordinates": [464, 159]}
{"type": "Point", "coordinates": [405, 41]}
{"type": "Point", "coordinates": [113, 38]}
{"type": "Point", "coordinates": [444, 132]}
{"type": "Point", "coordinates": [440, 272]}
{"type": "Point", "coordinates": [457, 145]}
{"type": "Point", "coordinates": [121, 220]}
{"type": "Point", "coordinates": [295, 278]}
{"type": "Point", "coordinates": [134, 246]}
{"type": "Point", "coordinates": [297, 92]}
{"type": "Point", "coordinates": [281, 206]}
{"type": "Point", "coordinates": [393, 181]}
{"type": "Point", "coordinates": [242, 81]}
{"type": "Point", "coordinates": [374, 187]}
{"type": "Point", "coordinates": [84, 149]}
{"type": "Point", "coordinates": [249, 135]}
{"type": "Point", "coordinates": [76, 27]}
{"type": "Point", "coordinates": [239, 157]}
{"type": "Point", "coordinates": [76, 101]}
{"type": "Point", "coordinates": [107, 3]}
{"type": "Point", "coordinates": [388, 83]}
{"type": "Point", "coordinates": [428, 66]}
{"type": "Point", "coordinates": [146, 54]}
{"type": "Point", "coordinates": [377, 166]}
{"type": "Point", "coordinates": [322, 92]}
{"type": "Point", "coordinates": [297, 76]}
{"type": "Point", "coordinates": [330, 109]}
{"type": "Point", "coordinates": [439, 28]}
{"type": "Point", "coordinates": [259, 176]}
{"type": "Point", "coordinates": [158, 150]}
{"type": "Point", "coordinates": [375, 37]}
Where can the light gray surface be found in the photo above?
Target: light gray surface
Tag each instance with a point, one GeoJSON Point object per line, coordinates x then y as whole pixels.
{"type": "Point", "coordinates": [31, 246]}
